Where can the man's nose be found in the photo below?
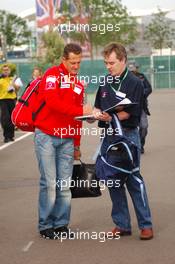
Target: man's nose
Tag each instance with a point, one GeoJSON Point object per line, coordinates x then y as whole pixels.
{"type": "Point", "coordinates": [76, 66]}
{"type": "Point", "coordinates": [108, 66]}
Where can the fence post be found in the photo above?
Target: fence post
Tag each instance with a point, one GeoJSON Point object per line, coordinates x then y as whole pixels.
{"type": "Point", "coordinates": [152, 71]}
{"type": "Point", "coordinates": [169, 72]}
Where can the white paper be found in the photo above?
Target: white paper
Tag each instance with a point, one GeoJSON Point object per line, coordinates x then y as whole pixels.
{"type": "Point", "coordinates": [18, 82]}
{"type": "Point", "coordinates": [77, 90]}
{"type": "Point", "coordinates": [120, 94]}
{"type": "Point", "coordinates": [125, 101]}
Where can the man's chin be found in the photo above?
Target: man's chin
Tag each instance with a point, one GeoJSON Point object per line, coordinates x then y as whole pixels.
{"type": "Point", "coordinates": [74, 72]}
{"type": "Point", "coordinates": [114, 74]}
{"type": "Point", "coordinates": [111, 73]}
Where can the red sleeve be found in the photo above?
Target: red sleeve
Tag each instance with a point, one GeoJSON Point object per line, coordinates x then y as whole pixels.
{"type": "Point", "coordinates": [77, 141]}
{"type": "Point", "coordinates": [78, 124]}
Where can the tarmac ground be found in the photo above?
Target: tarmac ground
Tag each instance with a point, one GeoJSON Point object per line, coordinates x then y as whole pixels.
{"type": "Point", "coordinates": [19, 239]}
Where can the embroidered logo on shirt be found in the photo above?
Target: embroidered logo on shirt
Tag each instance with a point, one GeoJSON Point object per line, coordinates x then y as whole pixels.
{"type": "Point", "coordinates": [65, 82]}
{"type": "Point", "coordinates": [51, 83]}
{"type": "Point", "coordinates": [104, 94]}
{"type": "Point", "coordinates": [64, 85]}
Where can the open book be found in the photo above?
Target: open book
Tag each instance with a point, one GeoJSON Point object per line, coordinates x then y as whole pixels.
{"type": "Point", "coordinates": [123, 103]}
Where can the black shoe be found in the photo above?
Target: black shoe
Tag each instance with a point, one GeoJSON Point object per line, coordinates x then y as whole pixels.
{"type": "Point", "coordinates": [142, 150]}
{"type": "Point", "coordinates": [64, 232]}
{"type": "Point", "coordinates": [7, 140]}
{"type": "Point", "coordinates": [48, 233]}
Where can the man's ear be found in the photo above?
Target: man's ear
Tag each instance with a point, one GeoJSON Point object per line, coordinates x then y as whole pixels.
{"type": "Point", "coordinates": [63, 59]}
{"type": "Point", "coordinates": [123, 61]}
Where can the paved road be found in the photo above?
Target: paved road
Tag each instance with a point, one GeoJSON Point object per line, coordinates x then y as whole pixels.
{"type": "Point", "coordinates": [19, 240]}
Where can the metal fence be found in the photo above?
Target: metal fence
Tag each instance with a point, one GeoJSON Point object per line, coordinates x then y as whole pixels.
{"type": "Point", "coordinates": [160, 70]}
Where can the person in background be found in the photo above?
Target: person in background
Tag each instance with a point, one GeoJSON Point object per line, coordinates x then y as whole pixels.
{"type": "Point", "coordinates": [36, 73]}
{"type": "Point", "coordinates": [143, 127]}
{"type": "Point", "coordinates": [9, 86]}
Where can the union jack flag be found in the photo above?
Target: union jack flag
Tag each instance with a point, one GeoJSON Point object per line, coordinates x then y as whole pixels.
{"type": "Point", "coordinates": [47, 10]}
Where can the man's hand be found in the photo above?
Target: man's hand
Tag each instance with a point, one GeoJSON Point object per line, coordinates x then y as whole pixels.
{"type": "Point", "coordinates": [77, 153]}
{"type": "Point", "coordinates": [103, 116]}
{"type": "Point", "coordinates": [123, 115]}
{"type": "Point", "coordinates": [87, 109]}
{"type": "Point", "coordinates": [96, 113]}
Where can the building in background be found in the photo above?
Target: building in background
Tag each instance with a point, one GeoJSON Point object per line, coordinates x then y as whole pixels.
{"type": "Point", "coordinates": [51, 13]}
{"type": "Point", "coordinates": [141, 47]}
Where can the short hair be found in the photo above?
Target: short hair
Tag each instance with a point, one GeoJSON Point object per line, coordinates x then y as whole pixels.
{"type": "Point", "coordinates": [118, 48]}
{"type": "Point", "coordinates": [5, 66]}
{"type": "Point", "coordinates": [37, 69]}
{"type": "Point", "coordinates": [71, 47]}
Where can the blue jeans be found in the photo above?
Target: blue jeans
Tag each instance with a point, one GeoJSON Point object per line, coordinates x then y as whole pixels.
{"type": "Point", "coordinates": [55, 161]}
{"type": "Point", "coordinates": [120, 211]}
{"type": "Point", "coordinates": [143, 127]}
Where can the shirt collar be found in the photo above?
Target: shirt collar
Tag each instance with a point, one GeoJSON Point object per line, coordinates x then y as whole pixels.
{"type": "Point", "coordinates": [63, 69]}
{"type": "Point", "coordinates": [123, 74]}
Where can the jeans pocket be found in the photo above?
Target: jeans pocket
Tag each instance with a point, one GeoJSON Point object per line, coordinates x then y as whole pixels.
{"type": "Point", "coordinates": [41, 138]}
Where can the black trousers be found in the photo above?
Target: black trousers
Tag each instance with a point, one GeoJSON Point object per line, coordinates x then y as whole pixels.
{"type": "Point", "coordinates": [7, 106]}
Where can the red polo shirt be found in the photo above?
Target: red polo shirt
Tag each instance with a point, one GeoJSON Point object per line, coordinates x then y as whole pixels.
{"type": "Point", "coordinates": [63, 95]}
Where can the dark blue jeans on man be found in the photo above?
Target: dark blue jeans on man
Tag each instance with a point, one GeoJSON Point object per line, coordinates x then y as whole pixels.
{"type": "Point", "coordinates": [137, 190]}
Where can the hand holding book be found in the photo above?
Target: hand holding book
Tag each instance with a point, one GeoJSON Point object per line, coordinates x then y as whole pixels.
{"type": "Point", "coordinates": [98, 114]}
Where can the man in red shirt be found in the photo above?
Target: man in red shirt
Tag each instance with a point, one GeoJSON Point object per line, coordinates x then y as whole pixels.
{"type": "Point", "coordinates": [57, 140]}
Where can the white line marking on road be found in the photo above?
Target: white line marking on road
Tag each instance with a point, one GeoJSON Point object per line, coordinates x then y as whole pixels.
{"type": "Point", "coordinates": [27, 247]}
{"type": "Point", "coordinates": [16, 140]}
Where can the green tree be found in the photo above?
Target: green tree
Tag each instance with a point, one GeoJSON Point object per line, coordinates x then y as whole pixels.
{"type": "Point", "coordinates": [13, 29]}
{"type": "Point", "coordinates": [159, 32]}
{"type": "Point", "coordinates": [108, 21]}
{"type": "Point", "coordinates": [53, 47]}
